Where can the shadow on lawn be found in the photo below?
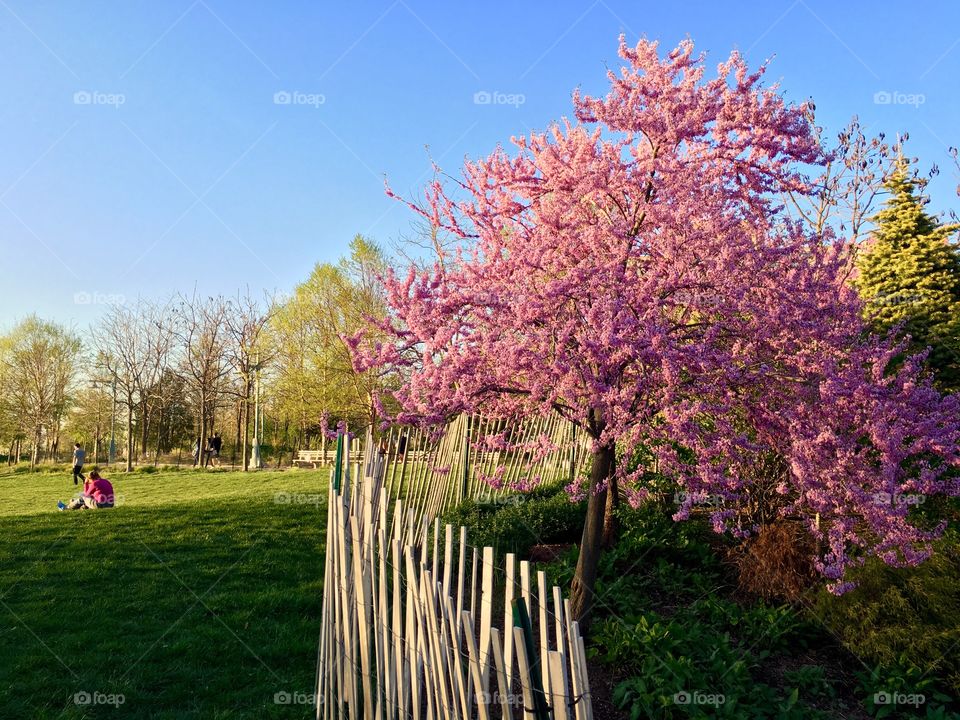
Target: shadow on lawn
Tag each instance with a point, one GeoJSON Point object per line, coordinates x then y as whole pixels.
{"type": "Point", "coordinates": [202, 610]}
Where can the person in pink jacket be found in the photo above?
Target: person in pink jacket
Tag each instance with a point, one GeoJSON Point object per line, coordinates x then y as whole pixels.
{"type": "Point", "coordinates": [97, 493]}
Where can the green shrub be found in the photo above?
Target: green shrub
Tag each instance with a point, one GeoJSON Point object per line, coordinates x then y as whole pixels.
{"type": "Point", "coordinates": [45, 468]}
{"type": "Point", "coordinates": [902, 691]}
{"type": "Point", "coordinates": [811, 681]}
{"type": "Point", "coordinates": [685, 630]}
{"type": "Point", "coordinates": [651, 529]}
{"type": "Point", "coordinates": [903, 617]}
{"type": "Point", "coordinates": [654, 558]}
{"type": "Point", "coordinates": [774, 628]}
{"type": "Point", "coordinates": [687, 669]}
{"type": "Point", "coordinates": [518, 522]}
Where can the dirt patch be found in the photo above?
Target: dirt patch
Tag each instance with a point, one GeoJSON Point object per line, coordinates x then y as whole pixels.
{"type": "Point", "coordinates": [548, 553]}
{"type": "Point", "coordinates": [602, 682]}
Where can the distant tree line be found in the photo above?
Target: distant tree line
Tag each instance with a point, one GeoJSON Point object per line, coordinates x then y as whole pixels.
{"type": "Point", "coordinates": [163, 374]}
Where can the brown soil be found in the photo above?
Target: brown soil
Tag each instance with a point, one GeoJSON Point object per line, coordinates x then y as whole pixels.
{"type": "Point", "coordinates": [548, 553]}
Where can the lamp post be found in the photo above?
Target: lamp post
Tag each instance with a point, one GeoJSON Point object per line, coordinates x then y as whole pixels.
{"type": "Point", "coordinates": [96, 440]}
{"type": "Point", "coordinates": [255, 459]}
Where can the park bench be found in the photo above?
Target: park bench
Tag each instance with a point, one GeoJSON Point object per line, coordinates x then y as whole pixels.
{"type": "Point", "coordinates": [316, 458]}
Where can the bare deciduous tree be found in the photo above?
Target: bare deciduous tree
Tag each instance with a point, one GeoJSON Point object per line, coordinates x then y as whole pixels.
{"type": "Point", "coordinates": [202, 331]}
{"type": "Point", "coordinates": [247, 322]}
{"type": "Point", "coordinates": [849, 185]}
{"type": "Point", "coordinates": [133, 346]}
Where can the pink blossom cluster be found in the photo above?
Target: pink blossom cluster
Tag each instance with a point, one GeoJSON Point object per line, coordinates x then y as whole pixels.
{"type": "Point", "coordinates": [494, 480]}
{"type": "Point", "coordinates": [331, 433]}
{"type": "Point", "coordinates": [522, 484]}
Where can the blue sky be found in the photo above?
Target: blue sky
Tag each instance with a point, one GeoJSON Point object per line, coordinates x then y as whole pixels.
{"type": "Point", "coordinates": [147, 148]}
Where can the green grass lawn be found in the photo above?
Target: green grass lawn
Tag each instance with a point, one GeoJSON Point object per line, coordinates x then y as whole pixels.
{"type": "Point", "coordinates": [198, 596]}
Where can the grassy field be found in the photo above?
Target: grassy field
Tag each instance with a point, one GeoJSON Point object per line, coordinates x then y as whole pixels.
{"type": "Point", "coordinates": [198, 596]}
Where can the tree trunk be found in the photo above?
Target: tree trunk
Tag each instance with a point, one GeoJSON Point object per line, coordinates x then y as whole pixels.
{"type": "Point", "coordinates": [56, 441]}
{"type": "Point", "coordinates": [156, 455]}
{"type": "Point", "coordinates": [35, 456]}
{"type": "Point", "coordinates": [129, 436]}
{"type": "Point", "coordinates": [145, 430]}
{"type": "Point", "coordinates": [581, 591]}
{"type": "Point", "coordinates": [610, 523]}
{"type": "Point", "coordinates": [245, 411]}
{"type": "Point", "coordinates": [238, 442]}
{"type": "Point", "coordinates": [202, 435]}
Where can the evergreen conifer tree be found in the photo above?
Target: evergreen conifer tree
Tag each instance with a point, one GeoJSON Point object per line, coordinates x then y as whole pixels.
{"type": "Point", "coordinates": [909, 274]}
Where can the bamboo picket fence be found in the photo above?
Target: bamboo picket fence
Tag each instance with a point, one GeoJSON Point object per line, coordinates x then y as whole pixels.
{"type": "Point", "coordinates": [433, 475]}
{"type": "Point", "coordinates": [409, 627]}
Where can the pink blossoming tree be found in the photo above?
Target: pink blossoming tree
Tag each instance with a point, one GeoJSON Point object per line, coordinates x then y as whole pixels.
{"type": "Point", "coordinates": [635, 273]}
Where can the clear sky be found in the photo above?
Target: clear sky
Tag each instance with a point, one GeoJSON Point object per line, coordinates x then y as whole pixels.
{"type": "Point", "coordinates": [150, 147]}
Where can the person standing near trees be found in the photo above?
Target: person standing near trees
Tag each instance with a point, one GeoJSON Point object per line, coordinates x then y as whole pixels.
{"type": "Point", "coordinates": [215, 444]}
{"type": "Point", "coordinates": [79, 455]}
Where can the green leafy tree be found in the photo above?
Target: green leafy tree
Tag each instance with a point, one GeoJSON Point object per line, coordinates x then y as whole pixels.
{"type": "Point", "coordinates": [88, 420]}
{"type": "Point", "coordinates": [40, 365]}
{"type": "Point", "coordinates": [11, 421]}
{"type": "Point", "coordinates": [313, 372]}
{"type": "Point", "coordinates": [909, 274]}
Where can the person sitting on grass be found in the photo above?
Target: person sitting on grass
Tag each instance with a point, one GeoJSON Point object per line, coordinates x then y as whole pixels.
{"type": "Point", "coordinates": [97, 493]}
